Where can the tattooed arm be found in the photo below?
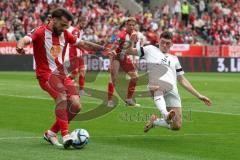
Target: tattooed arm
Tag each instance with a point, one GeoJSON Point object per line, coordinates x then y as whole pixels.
{"type": "Point", "coordinates": [90, 46]}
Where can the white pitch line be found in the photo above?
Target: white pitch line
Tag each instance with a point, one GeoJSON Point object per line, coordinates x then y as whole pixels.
{"type": "Point", "coordinates": [127, 136]}
{"type": "Point", "coordinates": [176, 135]}
{"type": "Point", "coordinates": [37, 97]}
{"type": "Point", "coordinates": [18, 138]}
{"type": "Point", "coordinates": [192, 110]}
{"type": "Point", "coordinates": [224, 113]}
{"type": "Point", "coordinates": [28, 97]}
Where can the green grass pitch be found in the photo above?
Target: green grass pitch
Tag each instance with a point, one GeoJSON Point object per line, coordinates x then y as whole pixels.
{"type": "Point", "coordinates": [208, 133]}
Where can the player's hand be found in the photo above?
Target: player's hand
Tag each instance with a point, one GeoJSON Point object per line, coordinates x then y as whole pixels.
{"type": "Point", "coordinates": [134, 37]}
{"type": "Point", "coordinates": [205, 99]}
{"type": "Point", "coordinates": [20, 50]}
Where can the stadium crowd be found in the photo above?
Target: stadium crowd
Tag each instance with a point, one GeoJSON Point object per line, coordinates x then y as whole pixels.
{"type": "Point", "coordinates": [212, 21]}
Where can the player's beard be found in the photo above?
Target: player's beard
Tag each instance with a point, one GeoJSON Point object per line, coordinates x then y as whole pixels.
{"type": "Point", "coordinates": [56, 31]}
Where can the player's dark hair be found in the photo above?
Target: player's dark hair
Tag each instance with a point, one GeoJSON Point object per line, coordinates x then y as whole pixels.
{"type": "Point", "coordinates": [59, 12]}
{"type": "Point", "coordinates": [167, 35]}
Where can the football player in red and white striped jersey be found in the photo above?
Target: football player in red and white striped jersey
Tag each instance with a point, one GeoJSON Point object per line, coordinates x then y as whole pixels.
{"type": "Point", "coordinates": [49, 47]}
{"type": "Point", "coordinates": [75, 55]}
{"type": "Point", "coordinates": [123, 60]}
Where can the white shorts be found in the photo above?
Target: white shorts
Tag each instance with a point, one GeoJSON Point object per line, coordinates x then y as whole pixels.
{"type": "Point", "coordinates": [172, 99]}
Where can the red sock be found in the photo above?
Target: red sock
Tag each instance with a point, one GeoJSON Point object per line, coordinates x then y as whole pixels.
{"type": "Point", "coordinates": [81, 82]}
{"type": "Point", "coordinates": [63, 126]}
{"type": "Point", "coordinates": [62, 117]}
{"type": "Point", "coordinates": [110, 90]}
{"type": "Point", "coordinates": [131, 88]}
{"type": "Point", "coordinates": [55, 127]}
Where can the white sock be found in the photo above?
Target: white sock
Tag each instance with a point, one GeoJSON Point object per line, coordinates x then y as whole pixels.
{"type": "Point", "coordinates": [162, 123]}
{"type": "Point", "coordinates": [161, 105]}
{"type": "Point", "coordinates": [51, 133]}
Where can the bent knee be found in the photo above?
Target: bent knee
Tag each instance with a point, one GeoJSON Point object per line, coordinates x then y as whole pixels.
{"type": "Point", "coordinates": [75, 108]}
{"type": "Point", "coordinates": [75, 103]}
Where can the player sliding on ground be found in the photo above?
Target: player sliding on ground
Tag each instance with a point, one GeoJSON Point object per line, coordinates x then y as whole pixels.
{"type": "Point", "coordinates": [49, 46]}
{"type": "Point", "coordinates": [164, 71]}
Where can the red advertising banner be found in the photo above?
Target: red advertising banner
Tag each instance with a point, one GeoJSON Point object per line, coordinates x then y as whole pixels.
{"type": "Point", "coordinates": [186, 50]}
{"type": "Point", "coordinates": [230, 51]}
{"type": "Point", "coordinates": [181, 50]}
{"type": "Point", "coordinates": [212, 51]}
{"type": "Point", "coordinates": [9, 48]}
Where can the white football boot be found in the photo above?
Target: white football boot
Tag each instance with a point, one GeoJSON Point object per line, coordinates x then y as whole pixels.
{"type": "Point", "coordinates": [52, 138]}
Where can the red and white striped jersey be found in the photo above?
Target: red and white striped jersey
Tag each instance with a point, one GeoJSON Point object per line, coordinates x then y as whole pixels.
{"type": "Point", "coordinates": [124, 39]}
{"type": "Point", "coordinates": [72, 52]}
{"type": "Point", "coordinates": [49, 50]}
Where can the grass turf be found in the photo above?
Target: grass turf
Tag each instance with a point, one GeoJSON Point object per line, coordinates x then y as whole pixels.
{"type": "Point", "coordinates": [208, 132]}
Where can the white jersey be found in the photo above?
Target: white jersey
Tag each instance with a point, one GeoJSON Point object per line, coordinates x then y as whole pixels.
{"type": "Point", "coordinates": [153, 55]}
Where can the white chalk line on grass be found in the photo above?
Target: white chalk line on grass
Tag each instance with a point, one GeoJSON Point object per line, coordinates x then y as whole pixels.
{"type": "Point", "coordinates": [34, 97]}
{"type": "Point", "coordinates": [27, 97]}
{"type": "Point", "coordinates": [18, 138]}
{"type": "Point", "coordinates": [129, 136]}
{"type": "Point", "coordinates": [192, 110]}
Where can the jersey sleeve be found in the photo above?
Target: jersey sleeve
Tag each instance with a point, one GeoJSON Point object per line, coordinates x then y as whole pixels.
{"type": "Point", "coordinates": [179, 69]}
{"type": "Point", "coordinates": [34, 35]}
{"type": "Point", "coordinates": [71, 38]}
{"type": "Point", "coordinates": [76, 33]}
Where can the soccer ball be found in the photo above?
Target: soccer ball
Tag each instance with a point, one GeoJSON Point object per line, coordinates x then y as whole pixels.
{"type": "Point", "coordinates": [80, 138]}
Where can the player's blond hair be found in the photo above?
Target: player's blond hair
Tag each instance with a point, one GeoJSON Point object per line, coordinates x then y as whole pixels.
{"type": "Point", "coordinates": [133, 19]}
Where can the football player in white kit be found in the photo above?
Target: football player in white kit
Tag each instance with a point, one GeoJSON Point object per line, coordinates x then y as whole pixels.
{"type": "Point", "coordinates": [164, 71]}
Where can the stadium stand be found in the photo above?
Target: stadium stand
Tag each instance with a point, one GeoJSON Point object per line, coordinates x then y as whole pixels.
{"type": "Point", "coordinates": [215, 22]}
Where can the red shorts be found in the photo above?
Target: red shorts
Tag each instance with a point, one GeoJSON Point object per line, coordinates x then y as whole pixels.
{"type": "Point", "coordinates": [77, 64]}
{"type": "Point", "coordinates": [126, 63]}
{"type": "Point", "coordinates": [55, 84]}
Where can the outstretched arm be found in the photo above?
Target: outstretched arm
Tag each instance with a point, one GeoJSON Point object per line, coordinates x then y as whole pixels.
{"type": "Point", "coordinates": [188, 86]}
{"type": "Point", "coordinates": [21, 43]}
{"type": "Point", "coordinates": [90, 46]}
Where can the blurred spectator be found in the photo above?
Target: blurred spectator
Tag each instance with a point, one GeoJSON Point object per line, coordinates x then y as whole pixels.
{"type": "Point", "coordinates": [201, 8]}
{"type": "Point", "coordinates": [177, 8]}
{"type": "Point", "coordinates": [185, 8]}
{"type": "Point", "coordinates": [210, 21]}
{"type": "Point", "coordinates": [11, 36]}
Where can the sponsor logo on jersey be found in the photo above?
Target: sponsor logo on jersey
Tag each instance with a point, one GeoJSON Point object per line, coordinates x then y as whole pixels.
{"type": "Point", "coordinates": [55, 51]}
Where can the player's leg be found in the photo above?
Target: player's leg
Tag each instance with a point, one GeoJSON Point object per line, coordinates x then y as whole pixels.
{"type": "Point", "coordinates": [173, 102]}
{"type": "Point", "coordinates": [74, 63]}
{"type": "Point", "coordinates": [167, 116]}
{"type": "Point", "coordinates": [81, 80]}
{"type": "Point", "coordinates": [128, 66]}
{"type": "Point", "coordinates": [62, 118]}
{"type": "Point", "coordinates": [49, 85]}
{"type": "Point", "coordinates": [131, 88]}
{"type": "Point", "coordinates": [114, 68]}
{"type": "Point", "coordinates": [74, 105]}
{"type": "Point", "coordinates": [177, 120]}
{"type": "Point", "coordinates": [54, 85]}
